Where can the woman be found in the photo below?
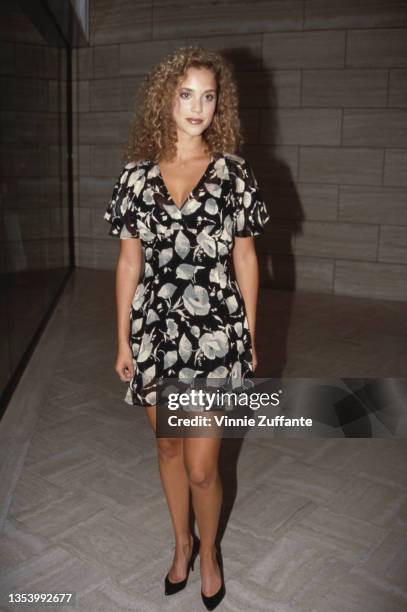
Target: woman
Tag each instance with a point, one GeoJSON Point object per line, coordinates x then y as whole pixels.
{"type": "Point", "coordinates": [188, 203]}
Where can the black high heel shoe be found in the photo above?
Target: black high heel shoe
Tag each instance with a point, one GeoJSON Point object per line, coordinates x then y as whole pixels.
{"type": "Point", "coordinates": [212, 601]}
{"type": "Point", "coordinates": [174, 587]}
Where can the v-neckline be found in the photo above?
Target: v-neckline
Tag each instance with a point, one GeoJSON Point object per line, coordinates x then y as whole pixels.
{"type": "Point", "coordinates": [198, 184]}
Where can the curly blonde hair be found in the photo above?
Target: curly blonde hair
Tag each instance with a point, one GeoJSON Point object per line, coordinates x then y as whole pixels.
{"type": "Point", "coordinates": [153, 130]}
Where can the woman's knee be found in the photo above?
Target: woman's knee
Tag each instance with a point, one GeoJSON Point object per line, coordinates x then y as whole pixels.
{"type": "Point", "coordinates": [169, 448]}
{"type": "Point", "coordinates": [200, 476]}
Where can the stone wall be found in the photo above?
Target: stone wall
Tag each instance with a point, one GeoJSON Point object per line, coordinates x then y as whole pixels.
{"type": "Point", "coordinates": [323, 95]}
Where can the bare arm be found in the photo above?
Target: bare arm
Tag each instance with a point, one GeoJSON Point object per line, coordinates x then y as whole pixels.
{"type": "Point", "coordinates": [128, 270]}
{"type": "Point", "coordinates": [246, 268]}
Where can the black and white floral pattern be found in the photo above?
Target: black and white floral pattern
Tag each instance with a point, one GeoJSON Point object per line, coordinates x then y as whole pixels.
{"type": "Point", "coordinates": [188, 317]}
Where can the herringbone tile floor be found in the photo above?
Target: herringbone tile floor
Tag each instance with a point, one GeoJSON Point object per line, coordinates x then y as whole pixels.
{"type": "Point", "coordinates": [309, 524]}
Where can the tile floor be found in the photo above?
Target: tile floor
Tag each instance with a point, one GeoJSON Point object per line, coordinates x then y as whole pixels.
{"type": "Point", "coordinates": [316, 525]}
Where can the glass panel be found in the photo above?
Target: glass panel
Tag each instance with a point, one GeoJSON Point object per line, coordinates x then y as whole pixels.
{"type": "Point", "coordinates": [34, 247]}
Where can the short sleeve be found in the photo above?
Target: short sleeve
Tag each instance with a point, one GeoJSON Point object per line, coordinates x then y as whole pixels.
{"type": "Point", "coordinates": [251, 212]}
{"type": "Point", "coordinates": [120, 211]}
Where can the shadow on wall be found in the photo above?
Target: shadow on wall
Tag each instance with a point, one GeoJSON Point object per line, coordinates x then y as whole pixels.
{"type": "Point", "coordinates": [275, 248]}
{"type": "Point", "coordinates": [258, 102]}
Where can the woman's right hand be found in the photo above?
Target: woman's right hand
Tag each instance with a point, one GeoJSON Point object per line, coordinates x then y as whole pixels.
{"type": "Point", "coordinates": [124, 363]}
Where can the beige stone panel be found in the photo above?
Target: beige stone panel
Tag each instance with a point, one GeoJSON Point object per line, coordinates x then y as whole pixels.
{"type": "Point", "coordinates": [344, 87]}
{"type": "Point", "coordinates": [375, 128]}
{"type": "Point", "coordinates": [361, 204]}
{"type": "Point", "coordinates": [81, 160]}
{"type": "Point", "coordinates": [29, 160]}
{"type": "Point", "coordinates": [121, 21]}
{"type": "Point", "coordinates": [243, 50]}
{"type": "Point", "coordinates": [395, 167]}
{"type": "Point", "coordinates": [57, 162]}
{"type": "Point", "coordinates": [56, 95]}
{"type": "Point", "coordinates": [355, 166]}
{"type": "Point", "coordinates": [393, 244]}
{"type": "Point", "coordinates": [104, 160]}
{"type": "Point", "coordinates": [85, 221]}
{"type": "Point", "coordinates": [56, 254]}
{"type": "Point", "coordinates": [250, 121]}
{"type": "Point", "coordinates": [24, 94]}
{"type": "Point", "coordinates": [224, 17]}
{"type": "Point", "coordinates": [22, 130]}
{"type": "Point", "coordinates": [129, 87]}
{"type": "Point", "coordinates": [398, 88]}
{"type": "Point", "coordinates": [47, 95]}
{"type": "Point", "coordinates": [31, 193]}
{"type": "Point", "coordinates": [301, 201]}
{"type": "Point", "coordinates": [351, 14]}
{"type": "Point", "coordinates": [264, 89]}
{"type": "Point", "coordinates": [106, 61]}
{"type": "Point", "coordinates": [55, 128]}
{"type": "Point", "coordinates": [104, 128]}
{"type": "Point", "coordinates": [273, 164]}
{"type": "Point", "coordinates": [314, 274]}
{"type": "Point", "coordinates": [85, 252]}
{"type": "Point", "coordinates": [58, 221]}
{"type": "Point", "coordinates": [82, 63]}
{"type": "Point", "coordinates": [303, 273]}
{"type": "Point", "coordinates": [304, 50]}
{"type": "Point", "coordinates": [55, 63]}
{"type": "Point", "coordinates": [56, 192]}
{"type": "Point", "coordinates": [277, 237]}
{"type": "Point", "coordinates": [96, 191]}
{"type": "Point", "coordinates": [114, 94]}
{"type": "Point", "coordinates": [140, 58]}
{"type": "Point", "coordinates": [373, 280]}
{"type": "Point", "coordinates": [27, 224]}
{"type": "Point", "coordinates": [337, 240]}
{"type": "Point", "coordinates": [301, 126]}
{"type": "Point", "coordinates": [318, 201]}
{"type": "Point", "coordinates": [105, 252]}
{"type": "Point", "coordinates": [80, 96]}
{"type": "Point", "coordinates": [377, 48]}
{"type": "Point", "coordinates": [105, 94]}
{"type": "Point", "coordinates": [35, 260]}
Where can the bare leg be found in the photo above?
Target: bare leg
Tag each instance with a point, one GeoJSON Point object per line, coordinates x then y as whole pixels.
{"type": "Point", "coordinates": [201, 459]}
{"type": "Point", "coordinates": [175, 483]}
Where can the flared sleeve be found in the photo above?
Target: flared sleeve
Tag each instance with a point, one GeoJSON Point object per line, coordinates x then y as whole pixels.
{"type": "Point", "coordinates": [251, 212]}
{"type": "Point", "coordinates": [121, 210]}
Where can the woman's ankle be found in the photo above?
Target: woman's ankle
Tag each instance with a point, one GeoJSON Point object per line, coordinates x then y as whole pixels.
{"type": "Point", "coordinates": [207, 552]}
{"type": "Point", "coordinates": [184, 543]}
